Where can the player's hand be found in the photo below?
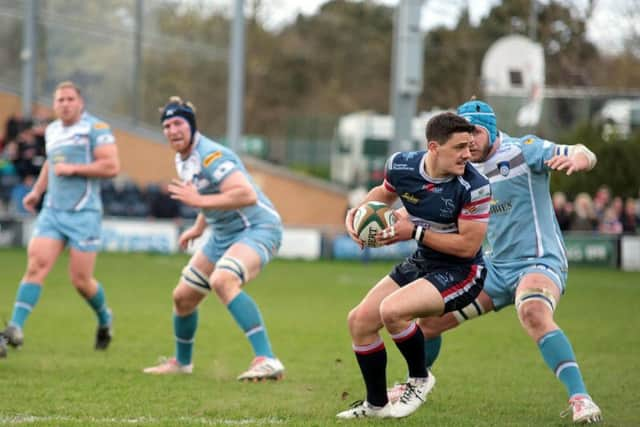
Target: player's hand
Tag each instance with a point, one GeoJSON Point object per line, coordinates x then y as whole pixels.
{"type": "Point", "coordinates": [563, 163]}
{"type": "Point", "coordinates": [64, 169]}
{"type": "Point", "coordinates": [399, 231]}
{"type": "Point", "coordinates": [348, 224]}
{"type": "Point", "coordinates": [186, 192]}
{"type": "Point", "coordinates": [188, 236]}
{"type": "Point", "coordinates": [30, 201]}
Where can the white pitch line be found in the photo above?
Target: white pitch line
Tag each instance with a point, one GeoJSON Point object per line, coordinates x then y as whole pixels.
{"type": "Point", "coordinates": [31, 419]}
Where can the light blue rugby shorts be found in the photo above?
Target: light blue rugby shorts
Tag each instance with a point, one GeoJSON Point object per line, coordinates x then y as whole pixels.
{"type": "Point", "coordinates": [503, 279]}
{"type": "Point", "coordinates": [264, 239]}
{"type": "Point", "coordinates": [80, 230]}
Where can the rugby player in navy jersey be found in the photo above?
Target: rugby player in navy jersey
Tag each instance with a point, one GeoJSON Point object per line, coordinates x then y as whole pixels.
{"type": "Point", "coordinates": [81, 151]}
{"type": "Point", "coordinates": [526, 259]}
{"type": "Point", "coordinates": [246, 232]}
{"type": "Point", "coordinates": [447, 205]}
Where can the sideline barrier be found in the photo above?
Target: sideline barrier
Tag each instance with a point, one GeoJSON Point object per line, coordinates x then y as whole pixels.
{"type": "Point", "coordinates": [127, 235]}
{"type": "Point", "coordinates": [595, 250]}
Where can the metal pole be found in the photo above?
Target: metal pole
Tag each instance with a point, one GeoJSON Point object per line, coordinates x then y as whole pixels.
{"type": "Point", "coordinates": [236, 78]}
{"type": "Point", "coordinates": [28, 56]}
{"type": "Point", "coordinates": [533, 20]}
{"type": "Point", "coordinates": [137, 63]}
{"type": "Point", "coordinates": [406, 84]}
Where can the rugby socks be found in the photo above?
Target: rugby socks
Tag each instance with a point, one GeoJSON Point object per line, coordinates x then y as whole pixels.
{"type": "Point", "coordinates": [99, 305]}
{"type": "Point", "coordinates": [372, 359]}
{"type": "Point", "coordinates": [184, 328]}
{"type": "Point", "coordinates": [558, 354]}
{"type": "Point", "coordinates": [432, 350]}
{"type": "Point", "coordinates": [247, 315]}
{"type": "Point", "coordinates": [26, 299]}
{"type": "Point", "coordinates": [410, 342]}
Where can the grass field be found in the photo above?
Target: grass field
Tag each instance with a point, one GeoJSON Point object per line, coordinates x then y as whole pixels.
{"type": "Point", "coordinates": [489, 372]}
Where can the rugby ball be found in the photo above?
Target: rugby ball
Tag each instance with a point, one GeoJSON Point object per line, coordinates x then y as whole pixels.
{"type": "Point", "coordinates": [369, 219]}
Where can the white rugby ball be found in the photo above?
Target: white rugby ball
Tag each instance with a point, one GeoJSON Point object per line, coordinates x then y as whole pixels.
{"type": "Point", "coordinates": [369, 219]}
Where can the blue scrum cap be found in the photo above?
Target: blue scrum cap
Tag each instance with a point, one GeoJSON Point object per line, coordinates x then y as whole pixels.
{"type": "Point", "coordinates": [178, 108]}
{"type": "Point", "coordinates": [480, 114]}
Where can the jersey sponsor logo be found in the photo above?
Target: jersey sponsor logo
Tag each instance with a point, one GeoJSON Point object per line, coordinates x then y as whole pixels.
{"type": "Point", "coordinates": [498, 207]}
{"type": "Point", "coordinates": [411, 198]}
{"type": "Point", "coordinates": [100, 125]}
{"type": "Point", "coordinates": [211, 158]}
{"type": "Point", "coordinates": [504, 168]}
{"type": "Point", "coordinates": [402, 167]}
{"type": "Point", "coordinates": [432, 188]}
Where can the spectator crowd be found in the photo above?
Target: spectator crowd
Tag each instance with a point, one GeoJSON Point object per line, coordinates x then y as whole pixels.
{"type": "Point", "coordinates": [22, 154]}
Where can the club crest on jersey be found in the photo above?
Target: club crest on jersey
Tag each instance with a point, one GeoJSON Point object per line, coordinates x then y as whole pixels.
{"type": "Point", "coordinates": [447, 207]}
{"type": "Point", "coordinates": [504, 168]}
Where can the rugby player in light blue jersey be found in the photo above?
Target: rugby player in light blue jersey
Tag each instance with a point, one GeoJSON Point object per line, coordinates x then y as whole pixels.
{"type": "Point", "coordinates": [526, 260]}
{"type": "Point", "coordinates": [246, 232]}
{"type": "Point", "coordinates": [80, 151]}
{"type": "Point", "coordinates": [447, 201]}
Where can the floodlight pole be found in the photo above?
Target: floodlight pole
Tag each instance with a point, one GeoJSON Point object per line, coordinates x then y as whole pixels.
{"type": "Point", "coordinates": [28, 55]}
{"type": "Point", "coordinates": [533, 20]}
{"type": "Point", "coordinates": [235, 103]}
{"type": "Point", "coordinates": [406, 72]}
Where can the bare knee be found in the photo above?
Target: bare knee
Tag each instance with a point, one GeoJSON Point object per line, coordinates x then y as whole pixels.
{"type": "Point", "coordinates": [536, 318]}
{"type": "Point", "coordinates": [184, 302]}
{"type": "Point", "coordinates": [81, 280]}
{"type": "Point", "coordinates": [225, 284]}
{"type": "Point", "coordinates": [360, 322]}
{"type": "Point", "coordinates": [37, 267]}
{"type": "Point", "coordinates": [390, 314]}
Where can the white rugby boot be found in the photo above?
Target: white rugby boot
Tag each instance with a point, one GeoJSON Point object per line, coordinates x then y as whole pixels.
{"type": "Point", "coordinates": [363, 409]}
{"type": "Point", "coordinates": [414, 395]}
{"type": "Point", "coordinates": [263, 368]}
{"type": "Point", "coordinates": [394, 393]}
{"type": "Point", "coordinates": [584, 410]}
{"type": "Point", "coordinates": [169, 366]}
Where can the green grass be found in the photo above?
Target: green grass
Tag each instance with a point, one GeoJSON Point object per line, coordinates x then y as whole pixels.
{"type": "Point", "coordinates": [489, 372]}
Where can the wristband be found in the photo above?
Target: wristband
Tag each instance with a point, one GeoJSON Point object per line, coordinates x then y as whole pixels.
{"type": "Point", "coordinates": [418, 233]}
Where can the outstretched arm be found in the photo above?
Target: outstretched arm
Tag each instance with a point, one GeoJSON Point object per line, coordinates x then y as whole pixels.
{"type": "Point", "coordinates": [572, 158]}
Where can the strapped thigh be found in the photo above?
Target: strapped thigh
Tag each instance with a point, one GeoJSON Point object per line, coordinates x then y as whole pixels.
{"type": "Point", "coordinates": [468, 312]}
{"type": "Point", "coordinates": [536, 294]}
{"type": "Point", "coordinates": [235, 266]}
{"type": "Point", "coordinates": [195, 279]}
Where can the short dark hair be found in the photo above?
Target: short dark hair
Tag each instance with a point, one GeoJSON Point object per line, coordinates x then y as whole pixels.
{"type": "Point", "coordinates": [442, 126]}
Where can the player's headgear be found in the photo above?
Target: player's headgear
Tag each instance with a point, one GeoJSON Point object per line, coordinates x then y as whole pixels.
{"type": "Point", "coordinates": [179, 108]}
{"type": "Point", "coordinates": [480, 114]}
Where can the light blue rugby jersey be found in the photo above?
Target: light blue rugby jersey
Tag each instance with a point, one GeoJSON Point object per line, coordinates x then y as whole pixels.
{"type": "Point", "coordinates": [74, 144]}
{"type": "Point", "coordinates": [522, 225]}
{"type": "Point", "coordinates": [207, 166]}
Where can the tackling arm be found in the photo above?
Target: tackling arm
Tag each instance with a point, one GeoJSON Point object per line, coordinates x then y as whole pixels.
{"type": "Point", "coordinates": [235, 192]}
{"type": "Point", "coordinates": [464, 244]}
{"type": "Point", "coordinates": [105, 165]}
{"type": "Point", "coordinates": [572, 158]}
